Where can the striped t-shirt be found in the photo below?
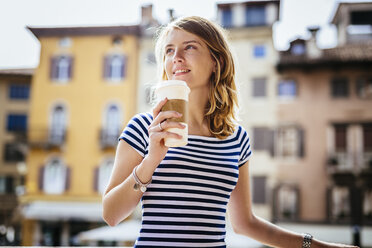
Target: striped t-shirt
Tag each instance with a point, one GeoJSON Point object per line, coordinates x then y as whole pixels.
{"type": "Point", "coordinates": [185, 204]}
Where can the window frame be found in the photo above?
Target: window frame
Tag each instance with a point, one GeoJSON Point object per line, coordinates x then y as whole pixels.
{"type": "Point", "coordinates": [259, 51]}
{"type": "Point", "coordinates": [336, 86]}
{"type": "Point", "coordinates": [19, 92]}
{"type": "Point", "coordinates": [259, 15]}
{"type": "Point", "coordinates": [285, 95]}
{"type": "Point", "coordinates": [55, 72]}
{"type": "Point", "coordinates": [108, 67]}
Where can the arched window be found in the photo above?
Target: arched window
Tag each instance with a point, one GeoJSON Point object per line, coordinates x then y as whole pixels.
{"type": "Point", "coordinates": [113, 121]}
{"type": "Point", "coordinates": [63, 69]}
{"type": "Point", "coordinates": [54, 178]}
{"type": "Point", "coordinates": [116, 67]}
{"type": "Point", "coordinates": [58, 125]}
{"type": "Point", "coordinates": [104, 173]}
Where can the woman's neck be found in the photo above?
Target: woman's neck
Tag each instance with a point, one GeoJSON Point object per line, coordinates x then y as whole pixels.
{"type": "Point", "coordinates": [198, 100]}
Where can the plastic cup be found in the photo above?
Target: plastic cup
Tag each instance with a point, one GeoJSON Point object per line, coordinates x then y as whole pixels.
{"type": "Point", "coordinates": [177, 93]}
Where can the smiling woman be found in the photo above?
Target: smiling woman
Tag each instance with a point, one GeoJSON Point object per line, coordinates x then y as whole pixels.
{"type": "Point", "coordinates": [187, 190]}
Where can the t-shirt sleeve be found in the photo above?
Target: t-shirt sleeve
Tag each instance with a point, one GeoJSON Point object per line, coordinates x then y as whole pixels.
{"type": "Point", "coordinates": [136, 133]}
{"type": "Point", "coordinates": [245, 147]}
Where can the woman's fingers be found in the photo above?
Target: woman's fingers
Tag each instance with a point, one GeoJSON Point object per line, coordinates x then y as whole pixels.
{"type": "Point", "coordinates": [166, 124]}
{"type": "Point", "coordinates": [157, 136]}
{"type": "Point", "coordinates": [158, 107]}
{"type": "Point", "coordinates": [163, 116]}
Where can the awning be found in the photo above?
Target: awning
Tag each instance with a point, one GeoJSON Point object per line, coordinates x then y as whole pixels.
{"type": "Point", "coordinates": [126, 231]}
{"type": "Point", "coordinates": [57, 211]}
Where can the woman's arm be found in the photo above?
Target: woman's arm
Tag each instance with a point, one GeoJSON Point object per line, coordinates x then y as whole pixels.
{"type": "Point", "coordinates": [245, 222]}
{"type": "Point", "coordinates": [120, 198]}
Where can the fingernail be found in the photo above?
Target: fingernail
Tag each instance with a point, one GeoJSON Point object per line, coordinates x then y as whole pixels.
{"type": "Point", "coordinates": [165, 98]}
{"type": "Point", "coordinates": [179, 114]}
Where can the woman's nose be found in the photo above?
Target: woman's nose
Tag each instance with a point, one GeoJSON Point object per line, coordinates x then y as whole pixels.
{"type": "Point", "coordinates": [178, 56]}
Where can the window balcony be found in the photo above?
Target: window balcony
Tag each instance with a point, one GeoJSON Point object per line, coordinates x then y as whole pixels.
{"type": "Point", "coordinates": [109, 138]}
{"type": "Point", "coordinates": [354, 162]}
{"type": "Point", "coordinates": [47, 138]}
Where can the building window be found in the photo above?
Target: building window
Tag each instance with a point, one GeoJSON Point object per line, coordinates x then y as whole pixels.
{"type": "Point", "coordinates": [259, 51]}
{"type": "Point", "coordinates": [58, 125]}
{"type": "Point", "coordinates": [17, 123]}
{"type": "Point", "coordinates": [287, 202]}
{"type": "Point", "coordinates": [340, 87]}
{"type": "Point", "coordinates": [55, 177]}
{"type": "Point", "coordinates": [112, 126]}
{"type": "Point", "coordinates": [13, 153]}
{"type": "Point", "coordinates": [151, 59]}
{"type": "Point", "coordinates": [364, 88]}
{"type": "Point", "coordinates": [2, 184]}
{"type": "Point", "coordinates": [227, 17]}
{"type": "Point", "coordinates": [65, 42]}
{"type": "Point", "coordinates": [298, 49]}
{"type": "Point", "coordinates": [255, 16]}
{"type": "Point", "coordinates": [150, 94]}
{"type": "Point", "coordinates": [367, 204]}
{"type": "Point", "coordinates": [263, 139]}
{"type": "Point", "coordinates": [259, 189]}
{"type": "Point", "coordinates": [259, 87]}
{"type": "Point", "coordinates": [61, 68]}
{"type": "Point", "coordinates": [19, 92]}
{"type": "Point", "coordinates": [104, 174]}
{"type": "Point", "coordinates": [367, 137]}
{"type": "Point", "coordinates": [114, 67]}
{"type": "Point", "coordinates": [6, 185]}
{"type": "Point", "coordinates": [340, 138]}
{"type": "Point", "coordinates": [287, 89]}
{"type": "Point", "coordinates": [340, 203]}
{"type": "Point", "coordinates": [290, 142]}
{"type": "Point", "coordinates": [367, 145]}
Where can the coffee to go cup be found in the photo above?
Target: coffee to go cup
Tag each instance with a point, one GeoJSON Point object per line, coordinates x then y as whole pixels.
{"type": "Point", "coordinates": [177, 93]}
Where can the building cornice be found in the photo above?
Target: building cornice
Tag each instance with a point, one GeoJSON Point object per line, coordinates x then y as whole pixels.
{"type": "Point", "coordinates": [85, 31]}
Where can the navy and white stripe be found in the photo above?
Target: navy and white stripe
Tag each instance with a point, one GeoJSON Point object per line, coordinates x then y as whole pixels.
{"type": "Point", "coordinates": [185, 205]}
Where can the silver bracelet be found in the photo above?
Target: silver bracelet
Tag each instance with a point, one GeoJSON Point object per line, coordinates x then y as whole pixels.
{"type": "Point", "coordinates": [139, 185]}
{"type": "Point", "coordinates": [306, 243]}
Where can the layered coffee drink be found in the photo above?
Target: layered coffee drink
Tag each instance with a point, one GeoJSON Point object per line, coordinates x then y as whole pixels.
{"type": "Point", "coordinates": [177, 93]}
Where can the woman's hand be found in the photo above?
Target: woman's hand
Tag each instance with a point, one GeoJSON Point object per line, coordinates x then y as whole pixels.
{"type": "Point", "coordinates": [157, 133]}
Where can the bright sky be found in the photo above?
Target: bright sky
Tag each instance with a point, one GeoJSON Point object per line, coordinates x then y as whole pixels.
{"type": "Point", "coordinates": [20, 49]}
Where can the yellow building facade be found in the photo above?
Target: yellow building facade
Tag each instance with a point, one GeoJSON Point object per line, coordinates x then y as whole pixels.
{"type": "Point", "coordinates": [83, 93]}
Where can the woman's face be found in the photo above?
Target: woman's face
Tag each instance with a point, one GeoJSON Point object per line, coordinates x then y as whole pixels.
{"type": "Point", "coordinates": [188, 58]}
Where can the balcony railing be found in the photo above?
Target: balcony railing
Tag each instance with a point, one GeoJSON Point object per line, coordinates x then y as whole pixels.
{"type": "Point", "coordinates": [353, 162]}
{"type": "Point", "coordinates": [109, 138]}
{"type": "Point", "coordinates": [47, 138]}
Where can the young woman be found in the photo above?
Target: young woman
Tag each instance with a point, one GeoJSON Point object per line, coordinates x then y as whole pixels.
{"type": "Point", "coordinates": [186, 190]}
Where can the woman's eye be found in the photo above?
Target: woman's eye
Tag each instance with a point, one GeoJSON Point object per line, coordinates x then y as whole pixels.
{"type": "Point", "coordinates": [190, 47]}
{"type": "Point", "coordinates": [169, 50]}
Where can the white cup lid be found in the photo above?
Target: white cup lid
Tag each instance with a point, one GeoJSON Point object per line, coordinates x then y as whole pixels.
{"type": "Point", "coordinates": [172, 83]}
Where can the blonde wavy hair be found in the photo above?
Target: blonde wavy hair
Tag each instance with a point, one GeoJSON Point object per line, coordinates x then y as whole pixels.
{"type": "Point", "coordinates": [221, 110]}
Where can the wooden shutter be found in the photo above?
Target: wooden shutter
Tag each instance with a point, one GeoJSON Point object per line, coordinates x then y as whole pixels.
{"type": "Point", "coordinates": [53, 67]}
{"type": "Point", "coordinates": [272, 144]}
{"type": "Point", "coordinates": [124, 67]}
{"type": "Point", "coordinates": [70, 66]}
{"type": "Point", "coordinates": [329, 203]}
{"type": "Point", "coordinates": [259, 189]}
{"type": "Point", "coordinates": [106, 66]}
{"type": "Point", "coordinates": [301, 143]}
{"type": "Point", "coordinates": [9, 186]}
{"type": "Point", "coordinates": [95, 179]}
{"type": "Point", "coordinates": [41, 178]}
{"type": "Point", "coordinates": [68, 178]}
